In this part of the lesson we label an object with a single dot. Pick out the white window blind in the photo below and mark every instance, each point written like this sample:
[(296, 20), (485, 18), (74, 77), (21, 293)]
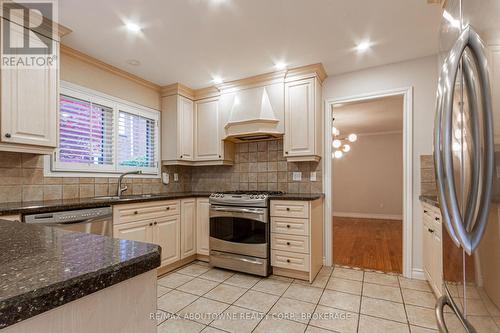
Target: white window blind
[(85, 132), (102, 134), (136, 140)]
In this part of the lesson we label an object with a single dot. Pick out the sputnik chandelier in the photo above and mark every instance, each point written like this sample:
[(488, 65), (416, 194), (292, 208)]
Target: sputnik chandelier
[(341, 144)]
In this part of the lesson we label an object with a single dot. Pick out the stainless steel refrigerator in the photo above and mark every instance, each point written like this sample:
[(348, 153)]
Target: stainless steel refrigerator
[(467, 161)]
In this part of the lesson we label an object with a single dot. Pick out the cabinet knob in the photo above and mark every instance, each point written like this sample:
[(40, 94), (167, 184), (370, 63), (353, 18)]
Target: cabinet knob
[(151, 224), (425, 211), (288, 260), (286, 152), (430, 230), (288, 226), (437, 218), (155, 223), (136, 212), (181, 156), (220, 156), (287, 209), (7, 135), (168, 208), (287, 243)]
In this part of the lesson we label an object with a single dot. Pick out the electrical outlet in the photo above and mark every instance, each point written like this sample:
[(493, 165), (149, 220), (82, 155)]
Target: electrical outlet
[(297, 176), (176, 177), (313, 176), (165, 178)]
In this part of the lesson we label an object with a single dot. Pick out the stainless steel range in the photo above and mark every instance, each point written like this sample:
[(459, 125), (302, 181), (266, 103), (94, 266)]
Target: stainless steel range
[(240, 231)]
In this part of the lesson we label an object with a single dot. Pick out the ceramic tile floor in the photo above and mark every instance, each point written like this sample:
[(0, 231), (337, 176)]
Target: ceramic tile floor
[(197, 298)]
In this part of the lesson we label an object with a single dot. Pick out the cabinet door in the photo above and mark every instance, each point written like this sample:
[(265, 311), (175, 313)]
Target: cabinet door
[(29, 101), (427, 249), (299, 118), (202, 226), (208, 144), (167, 235), (141, 231), (185, 129), (188, 227)]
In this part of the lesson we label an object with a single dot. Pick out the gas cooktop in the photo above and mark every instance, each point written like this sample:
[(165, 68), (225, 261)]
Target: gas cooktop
[(242, 198)]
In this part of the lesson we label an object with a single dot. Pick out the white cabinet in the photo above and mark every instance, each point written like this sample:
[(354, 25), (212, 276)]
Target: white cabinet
[(432, 246), (188, 227), (302, 140), (202, 226), (208, 143), (29, 102), (167, 235), (177, 129), (140, 231)]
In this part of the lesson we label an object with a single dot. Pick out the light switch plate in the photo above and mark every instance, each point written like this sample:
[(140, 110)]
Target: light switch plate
[(313, 176), (297, 176), (165, 178), (176, 177)]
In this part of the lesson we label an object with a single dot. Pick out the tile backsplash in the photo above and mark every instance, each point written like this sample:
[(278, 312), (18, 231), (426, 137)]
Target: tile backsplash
[(427, 176), (258, 166)]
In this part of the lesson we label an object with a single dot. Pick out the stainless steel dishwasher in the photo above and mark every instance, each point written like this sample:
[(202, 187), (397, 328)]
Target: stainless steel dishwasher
[(94, 220)]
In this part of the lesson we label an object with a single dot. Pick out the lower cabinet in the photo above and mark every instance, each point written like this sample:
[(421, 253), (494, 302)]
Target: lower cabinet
[(432, 245), (180, 227), (202, 226), (188, 227)]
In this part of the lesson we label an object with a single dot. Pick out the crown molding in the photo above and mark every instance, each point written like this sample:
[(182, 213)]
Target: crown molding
[(66, 50), (253, 81), (314, 70), (177, 89)]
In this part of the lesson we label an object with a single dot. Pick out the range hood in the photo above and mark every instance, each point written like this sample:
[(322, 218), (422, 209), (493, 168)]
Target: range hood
[(253, 114)]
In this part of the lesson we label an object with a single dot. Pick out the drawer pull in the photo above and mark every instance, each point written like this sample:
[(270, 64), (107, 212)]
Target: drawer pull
[(151, 224), (288, 260), (136, 212), (430, 230), (288, 243), (287, 209), (425, 211), (288, 226), (168, 208), (155, 223), (437, 218)]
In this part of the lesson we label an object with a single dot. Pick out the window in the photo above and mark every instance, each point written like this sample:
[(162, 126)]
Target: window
[(99, 133)]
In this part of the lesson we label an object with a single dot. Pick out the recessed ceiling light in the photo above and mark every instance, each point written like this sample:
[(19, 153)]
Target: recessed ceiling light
[(133, 27), (364, 46), (217, 80), (133, 62), (280, 65)]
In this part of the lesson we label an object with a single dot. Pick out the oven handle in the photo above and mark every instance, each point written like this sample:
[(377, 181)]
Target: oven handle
[(238, 210)]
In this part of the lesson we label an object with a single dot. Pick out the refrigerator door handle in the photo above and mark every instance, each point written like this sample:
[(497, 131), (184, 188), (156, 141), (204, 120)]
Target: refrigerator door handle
[(469, 239), (438, 156), (441, 322)]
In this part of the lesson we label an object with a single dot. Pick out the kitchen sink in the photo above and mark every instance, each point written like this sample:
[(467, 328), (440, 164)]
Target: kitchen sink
[(112, 197), (115, 197)]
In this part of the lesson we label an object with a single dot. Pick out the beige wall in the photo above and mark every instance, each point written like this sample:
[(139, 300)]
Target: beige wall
[(83, 73), (368, 180), (421, 74)]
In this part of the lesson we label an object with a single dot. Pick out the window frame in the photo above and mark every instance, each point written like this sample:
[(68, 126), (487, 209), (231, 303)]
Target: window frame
[(57, 168)]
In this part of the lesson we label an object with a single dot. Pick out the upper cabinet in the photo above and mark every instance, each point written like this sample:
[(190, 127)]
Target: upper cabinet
[(303, 118), (29, 100), (177, 127), (191, 130)]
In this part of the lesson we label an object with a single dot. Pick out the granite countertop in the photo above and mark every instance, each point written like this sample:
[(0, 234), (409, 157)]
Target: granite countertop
[(42, 268), (35, 207), (297, 196)]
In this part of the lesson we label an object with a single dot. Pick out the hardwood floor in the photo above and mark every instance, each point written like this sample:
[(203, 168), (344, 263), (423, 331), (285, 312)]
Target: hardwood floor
[(368, 243)]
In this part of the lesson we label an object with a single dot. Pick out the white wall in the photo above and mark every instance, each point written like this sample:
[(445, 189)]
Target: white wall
[(421, 74), (368, 180)]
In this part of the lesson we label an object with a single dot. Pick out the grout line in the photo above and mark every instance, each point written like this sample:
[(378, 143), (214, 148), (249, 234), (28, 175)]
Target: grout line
[(404, 305), (360, 301)]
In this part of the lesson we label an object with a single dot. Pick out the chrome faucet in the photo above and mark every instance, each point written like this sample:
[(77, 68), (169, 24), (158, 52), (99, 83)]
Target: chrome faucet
[(120, 179)]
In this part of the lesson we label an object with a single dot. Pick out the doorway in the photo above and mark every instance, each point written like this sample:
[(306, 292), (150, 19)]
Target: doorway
[(369, 192)]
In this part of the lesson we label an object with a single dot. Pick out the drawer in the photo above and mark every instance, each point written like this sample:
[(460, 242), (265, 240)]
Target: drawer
[(296, 209), (292, 243), (142, 211), (290, 226), (290, 260)]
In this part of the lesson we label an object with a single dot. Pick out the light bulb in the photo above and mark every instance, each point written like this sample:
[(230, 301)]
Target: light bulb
[(346, 148), (352, 137), (338, 154), (336, 143), (334, 130)]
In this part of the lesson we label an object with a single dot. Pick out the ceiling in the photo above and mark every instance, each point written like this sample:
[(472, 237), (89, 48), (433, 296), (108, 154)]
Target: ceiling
[(191, 41), (371, 116)]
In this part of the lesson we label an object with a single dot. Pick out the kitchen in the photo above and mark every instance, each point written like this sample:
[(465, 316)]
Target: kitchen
[(201, 160)]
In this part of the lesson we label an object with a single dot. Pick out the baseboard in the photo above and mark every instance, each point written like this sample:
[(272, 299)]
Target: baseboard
[(369, 216), (418, 274)]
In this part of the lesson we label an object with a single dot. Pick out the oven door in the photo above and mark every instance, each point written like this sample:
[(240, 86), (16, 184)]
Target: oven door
[(239, 230)]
